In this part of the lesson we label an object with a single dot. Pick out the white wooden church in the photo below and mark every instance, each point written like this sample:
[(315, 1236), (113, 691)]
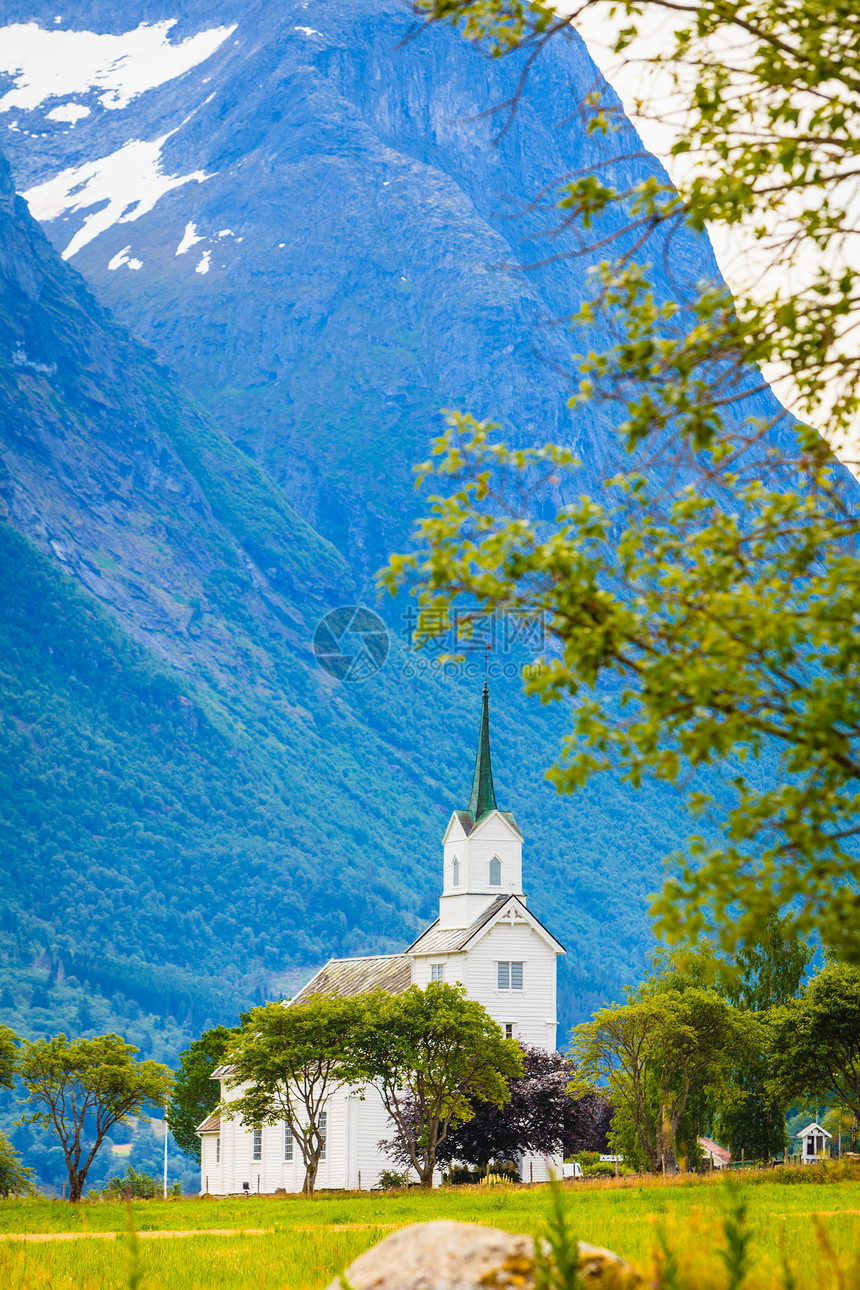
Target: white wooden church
[(484, 937)]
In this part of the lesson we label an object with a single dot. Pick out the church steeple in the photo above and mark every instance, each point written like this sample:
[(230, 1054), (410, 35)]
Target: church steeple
[(483, 847), (483, 797)]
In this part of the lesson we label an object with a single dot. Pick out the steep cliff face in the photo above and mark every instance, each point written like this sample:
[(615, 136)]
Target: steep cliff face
[(113, 471), (337, 254)]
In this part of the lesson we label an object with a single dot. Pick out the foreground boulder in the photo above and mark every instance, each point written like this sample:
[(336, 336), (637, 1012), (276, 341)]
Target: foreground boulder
[(466, 1256)]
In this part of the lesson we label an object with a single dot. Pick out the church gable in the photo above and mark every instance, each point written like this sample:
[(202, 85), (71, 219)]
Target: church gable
[(505, 911), (459, 827), (511, 912), (497, 825)]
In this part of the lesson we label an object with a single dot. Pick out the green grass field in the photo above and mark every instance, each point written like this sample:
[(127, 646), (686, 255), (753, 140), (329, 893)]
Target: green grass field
[(815, 1228)]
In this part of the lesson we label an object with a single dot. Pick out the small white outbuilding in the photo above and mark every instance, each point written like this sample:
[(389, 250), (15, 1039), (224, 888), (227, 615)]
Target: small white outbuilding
[(813, 1141)]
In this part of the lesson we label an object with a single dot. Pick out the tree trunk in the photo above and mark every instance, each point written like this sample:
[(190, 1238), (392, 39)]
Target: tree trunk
[(670, 1163), (310, 1177), (425, 1173), (76, 1185)]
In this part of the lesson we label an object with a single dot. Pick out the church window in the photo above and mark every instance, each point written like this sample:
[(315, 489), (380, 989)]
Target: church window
[(509, 1030), (437, 971), (217, 1151), (323, 1128), (510, 976), (456, 872), (288, 1142), (495, 872), (257, 1153)]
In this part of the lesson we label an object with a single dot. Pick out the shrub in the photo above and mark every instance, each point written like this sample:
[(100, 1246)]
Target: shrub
[(600, 1169), (391, 1180), (139, 1186), (461, 1176)]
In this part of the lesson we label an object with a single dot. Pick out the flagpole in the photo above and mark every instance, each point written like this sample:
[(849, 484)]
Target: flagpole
[(166, 1134)]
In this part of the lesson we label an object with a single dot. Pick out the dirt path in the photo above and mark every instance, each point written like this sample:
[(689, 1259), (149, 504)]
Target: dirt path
[(199, 1231)]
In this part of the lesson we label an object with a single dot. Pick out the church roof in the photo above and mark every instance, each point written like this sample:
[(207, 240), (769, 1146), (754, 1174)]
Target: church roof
[(467, 823), (438, 940), (343, 977), (483, 798), (212, 1124)]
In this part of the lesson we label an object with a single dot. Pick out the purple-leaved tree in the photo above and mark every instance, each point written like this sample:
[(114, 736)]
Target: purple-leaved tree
[(541, 1118)]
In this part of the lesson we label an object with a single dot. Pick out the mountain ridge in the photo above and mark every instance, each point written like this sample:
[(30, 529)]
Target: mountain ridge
[(355, 256)]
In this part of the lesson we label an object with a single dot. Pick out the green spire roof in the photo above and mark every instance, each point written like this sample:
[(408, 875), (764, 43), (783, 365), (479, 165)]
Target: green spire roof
[(483, 797)]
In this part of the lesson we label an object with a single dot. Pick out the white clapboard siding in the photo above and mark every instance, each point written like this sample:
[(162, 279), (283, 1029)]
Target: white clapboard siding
[(493, 838), (455, 969), (372, 1126), (532, 1010)]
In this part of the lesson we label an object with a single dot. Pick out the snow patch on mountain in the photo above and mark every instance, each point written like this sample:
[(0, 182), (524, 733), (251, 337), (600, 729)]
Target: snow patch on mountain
[(20, 359), (124, 185), (123, 257), (189, 238), (54, 64), (70, 112)]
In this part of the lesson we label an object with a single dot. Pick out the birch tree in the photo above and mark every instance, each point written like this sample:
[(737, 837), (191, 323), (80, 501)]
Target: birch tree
[(8, 1051), (816, 1041), (650, 1054)]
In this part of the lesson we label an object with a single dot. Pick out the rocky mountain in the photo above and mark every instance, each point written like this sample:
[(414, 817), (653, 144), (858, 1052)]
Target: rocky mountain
[(299, 243), (311, 218)]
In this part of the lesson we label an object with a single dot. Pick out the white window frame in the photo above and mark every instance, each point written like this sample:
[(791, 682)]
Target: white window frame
[(323, 1131), (288, 1144), (437, 971), (495, 861), (509, 1030), (455, 873), (505, 975), (218, 1150), (256, 1144)]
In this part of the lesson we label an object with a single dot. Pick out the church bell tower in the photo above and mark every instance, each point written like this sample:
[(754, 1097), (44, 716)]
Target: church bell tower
[(482, 845)]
